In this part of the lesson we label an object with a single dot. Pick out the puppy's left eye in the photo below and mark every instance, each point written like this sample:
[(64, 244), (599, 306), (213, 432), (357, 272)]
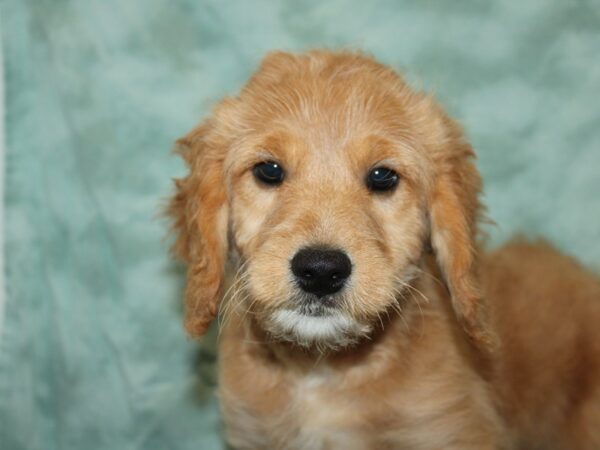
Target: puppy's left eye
[(381, 179), (269, 172)]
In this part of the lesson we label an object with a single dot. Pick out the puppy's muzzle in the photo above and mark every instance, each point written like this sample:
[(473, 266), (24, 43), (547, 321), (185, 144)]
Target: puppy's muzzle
[(321, 271)]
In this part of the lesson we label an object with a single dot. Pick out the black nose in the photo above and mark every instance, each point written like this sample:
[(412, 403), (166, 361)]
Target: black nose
[(321, 271)]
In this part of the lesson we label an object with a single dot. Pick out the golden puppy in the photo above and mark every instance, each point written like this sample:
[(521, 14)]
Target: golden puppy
[(362, 313)]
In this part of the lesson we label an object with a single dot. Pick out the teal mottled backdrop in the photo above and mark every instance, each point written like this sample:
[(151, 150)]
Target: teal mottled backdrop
[(92, 354)]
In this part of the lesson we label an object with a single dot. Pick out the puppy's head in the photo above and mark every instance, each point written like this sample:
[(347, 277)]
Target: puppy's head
[(327, 177)]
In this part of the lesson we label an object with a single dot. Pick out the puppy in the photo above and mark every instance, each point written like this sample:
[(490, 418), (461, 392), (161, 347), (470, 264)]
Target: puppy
[(362, 312)]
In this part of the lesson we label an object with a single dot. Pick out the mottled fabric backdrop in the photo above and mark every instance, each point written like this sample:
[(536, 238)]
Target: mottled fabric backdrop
[(92, 353)]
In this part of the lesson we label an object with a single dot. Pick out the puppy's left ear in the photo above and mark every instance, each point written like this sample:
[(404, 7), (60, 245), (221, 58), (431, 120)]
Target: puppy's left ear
[(453, 211), (199, 211)]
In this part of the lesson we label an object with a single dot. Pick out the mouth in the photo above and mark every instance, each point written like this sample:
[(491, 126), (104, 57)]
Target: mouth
[(313, 306), (316, 324)]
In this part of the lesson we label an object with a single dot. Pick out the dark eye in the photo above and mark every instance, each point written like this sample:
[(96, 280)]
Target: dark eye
[(269, 172), (382, 179)]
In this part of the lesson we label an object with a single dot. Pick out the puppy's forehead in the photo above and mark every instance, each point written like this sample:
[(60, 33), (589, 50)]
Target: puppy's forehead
[(320, 147), (350, 127)]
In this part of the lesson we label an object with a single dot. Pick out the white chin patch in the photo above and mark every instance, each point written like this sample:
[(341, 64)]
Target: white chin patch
[(327, 331)]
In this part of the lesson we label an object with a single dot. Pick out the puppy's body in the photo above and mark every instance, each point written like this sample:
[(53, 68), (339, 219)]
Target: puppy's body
[(363, 314), (546, 310)]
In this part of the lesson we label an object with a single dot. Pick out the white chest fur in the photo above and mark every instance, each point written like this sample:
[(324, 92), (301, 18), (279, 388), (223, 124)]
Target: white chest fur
[(326, 421), (314, 419)]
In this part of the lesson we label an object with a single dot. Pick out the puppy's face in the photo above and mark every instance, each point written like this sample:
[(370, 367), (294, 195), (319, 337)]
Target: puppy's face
[(329, 221), (324, 175)]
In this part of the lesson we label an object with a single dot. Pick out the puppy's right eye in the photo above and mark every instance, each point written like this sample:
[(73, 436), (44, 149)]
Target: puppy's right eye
[(269, 172), (381, 179)]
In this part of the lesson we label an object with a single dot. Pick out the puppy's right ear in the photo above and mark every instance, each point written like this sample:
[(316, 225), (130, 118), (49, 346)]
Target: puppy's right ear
[(200, 214)]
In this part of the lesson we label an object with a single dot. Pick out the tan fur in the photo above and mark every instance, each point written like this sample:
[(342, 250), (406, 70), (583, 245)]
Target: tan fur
[(441, 346)]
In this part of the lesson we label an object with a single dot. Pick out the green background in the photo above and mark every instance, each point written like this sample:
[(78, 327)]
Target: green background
[(92, 354)]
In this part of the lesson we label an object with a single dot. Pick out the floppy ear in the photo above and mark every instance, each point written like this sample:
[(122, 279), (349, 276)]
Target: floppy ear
[(199, 212), (454, 209)]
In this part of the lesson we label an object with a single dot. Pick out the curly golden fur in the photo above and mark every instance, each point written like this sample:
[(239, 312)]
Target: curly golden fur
[(432, 343)]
